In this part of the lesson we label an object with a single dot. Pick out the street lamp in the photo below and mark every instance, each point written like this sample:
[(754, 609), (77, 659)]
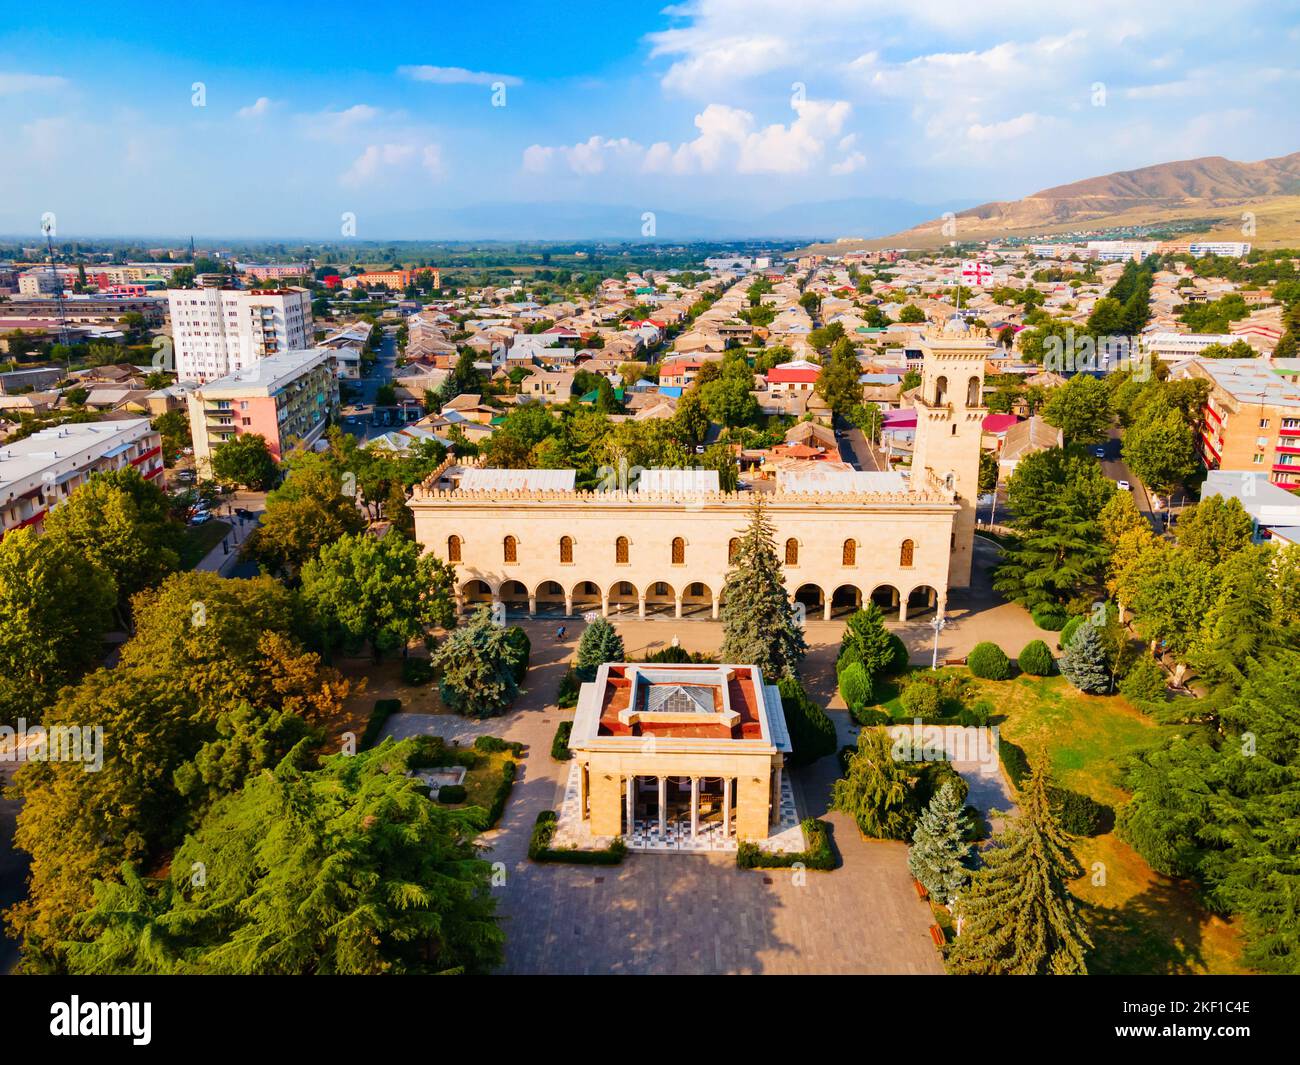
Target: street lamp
[(937, 624)]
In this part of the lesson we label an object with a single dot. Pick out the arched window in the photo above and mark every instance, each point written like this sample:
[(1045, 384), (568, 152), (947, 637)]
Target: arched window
[(792, 552), (679, 551), (850, 557), (453, 548), (940, 391), (620, 551), (566, 550), (905, 553), (511, 552), (973, 397), (733, 545)]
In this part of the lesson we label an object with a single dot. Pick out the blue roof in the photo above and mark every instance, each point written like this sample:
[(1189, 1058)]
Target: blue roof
[(671, 390)]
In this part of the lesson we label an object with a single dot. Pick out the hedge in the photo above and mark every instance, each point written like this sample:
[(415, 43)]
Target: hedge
[(567, 696), (1079, 814), (519, 639), (812, 732), (451, 793), (1051, 620), (560, 745), (988, 662), (494, 745), (501, 797), (1036, 659), (1013, 759), (819, 855), (870, 715), (416, 672), (540, 849), (384, 709)]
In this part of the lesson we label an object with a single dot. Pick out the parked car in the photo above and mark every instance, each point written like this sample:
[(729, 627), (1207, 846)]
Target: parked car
[(200, 517), (1124, 486), (1100, 452)]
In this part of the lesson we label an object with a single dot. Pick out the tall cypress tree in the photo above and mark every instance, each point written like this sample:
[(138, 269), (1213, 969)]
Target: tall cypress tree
[(1019, 918), (758, 618), (940, 853)]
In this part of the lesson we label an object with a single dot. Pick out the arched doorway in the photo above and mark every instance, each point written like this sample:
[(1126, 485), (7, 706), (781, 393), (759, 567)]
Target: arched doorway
[(845, 600), (886, 597), (922, 603), (660, 599), (623, 598), (697, 601), (586, 597), (475, 592), (550, 599), (515, 597), (813, 600)]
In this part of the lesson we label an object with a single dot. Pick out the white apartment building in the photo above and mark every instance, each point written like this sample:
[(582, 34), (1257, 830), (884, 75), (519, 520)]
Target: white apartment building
[(219, 331), (40, 472), (39, 282), (1174, 347)]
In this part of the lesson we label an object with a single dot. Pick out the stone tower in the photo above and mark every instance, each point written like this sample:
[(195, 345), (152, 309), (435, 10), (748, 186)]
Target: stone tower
[(949, 422)]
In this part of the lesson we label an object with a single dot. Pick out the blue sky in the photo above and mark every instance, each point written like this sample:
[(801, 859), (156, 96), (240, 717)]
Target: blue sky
[(706, 108)]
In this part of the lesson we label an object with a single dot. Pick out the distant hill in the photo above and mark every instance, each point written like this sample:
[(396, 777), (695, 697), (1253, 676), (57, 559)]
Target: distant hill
[(1213, 189)]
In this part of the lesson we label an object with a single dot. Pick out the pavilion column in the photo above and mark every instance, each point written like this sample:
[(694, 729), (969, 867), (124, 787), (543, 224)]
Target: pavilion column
[(726, 807), (498, 607), (715, 608), (460, 604), (826, 610), (604, 605), (695, 807), (584, 783), (532, 606), (774, 814), (568, 603), (902, 609), (663, 804), (640, 607), (631, 803), (930, 598), (679, 607)]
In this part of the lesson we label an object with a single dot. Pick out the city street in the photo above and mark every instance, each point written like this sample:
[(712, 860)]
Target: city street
[(363, 391)]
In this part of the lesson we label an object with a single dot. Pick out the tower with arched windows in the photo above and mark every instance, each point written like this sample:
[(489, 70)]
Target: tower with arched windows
[(950, 415)]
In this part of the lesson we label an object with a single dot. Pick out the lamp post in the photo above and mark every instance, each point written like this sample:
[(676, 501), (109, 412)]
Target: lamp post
[(937, 624)]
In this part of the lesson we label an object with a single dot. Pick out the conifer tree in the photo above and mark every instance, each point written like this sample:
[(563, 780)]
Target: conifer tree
[(1018, 917), (600, 643), (940, 854), (876, 789), (758, 619), (1083, 662)]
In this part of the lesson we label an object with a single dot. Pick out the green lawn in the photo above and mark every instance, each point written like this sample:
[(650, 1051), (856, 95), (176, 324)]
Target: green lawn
[(200, 539), (1140, 922)]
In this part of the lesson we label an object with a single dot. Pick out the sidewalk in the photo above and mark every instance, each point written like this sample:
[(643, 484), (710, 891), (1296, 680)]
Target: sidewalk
[(225, 556)]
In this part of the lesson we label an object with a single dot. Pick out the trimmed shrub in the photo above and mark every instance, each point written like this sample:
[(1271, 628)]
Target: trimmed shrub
[(988, 662), (540, 849), (921, 699), (1068, 630), (384, 709), (1049, 619), (451, 793), (855, 684), (1079, 814), (518, 639), (560, 745), (671, 655), (1036, 659), (416, 672), (1014, 760), (501, 797), (819, 855), (898, 661), (932, 776), (868, 716), (978, 715), (495, 744), (812, 733), (567, 696)]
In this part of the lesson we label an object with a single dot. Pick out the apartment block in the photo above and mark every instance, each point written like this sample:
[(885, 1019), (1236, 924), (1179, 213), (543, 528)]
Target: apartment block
[(288, 398), (1251, 420), (37, 474), (220, 331)]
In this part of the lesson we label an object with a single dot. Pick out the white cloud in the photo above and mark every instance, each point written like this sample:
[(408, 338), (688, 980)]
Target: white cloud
[(1010, 129), (854, 161), (12, 82), (455, 76), (381, 161), (335, 125), (259, 107)]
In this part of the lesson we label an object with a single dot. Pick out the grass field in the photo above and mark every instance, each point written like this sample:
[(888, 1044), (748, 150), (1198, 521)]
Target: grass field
[(200, 539), (1141, 922)]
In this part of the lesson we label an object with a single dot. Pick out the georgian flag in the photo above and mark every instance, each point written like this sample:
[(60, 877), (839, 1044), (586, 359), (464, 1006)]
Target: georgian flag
[(977, 273)]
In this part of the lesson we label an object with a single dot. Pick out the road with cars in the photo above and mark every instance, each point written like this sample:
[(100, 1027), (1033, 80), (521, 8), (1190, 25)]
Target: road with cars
[(358, 412)]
